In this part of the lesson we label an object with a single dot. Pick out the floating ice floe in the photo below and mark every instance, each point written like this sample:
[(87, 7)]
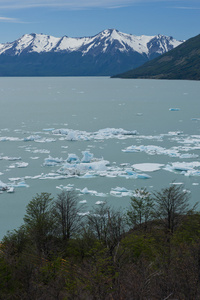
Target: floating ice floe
[(3, 186), (48, 129), (50, 161), (195, 119), (73, 158), (85, 191), (10, 139), (87, 157), (51, 176), (32, 138), (83, 201), (120, 192), (9, 158), (148, 167), (42, 151), (135, 175), (174, 109), (68, 187), (100, 202), (84, 213), (38, 139), (20, 184), (10, 187), (185, 168), (82, 168), (158, 150), (107, 133), (21, 164), (11, 190), (89, 167)]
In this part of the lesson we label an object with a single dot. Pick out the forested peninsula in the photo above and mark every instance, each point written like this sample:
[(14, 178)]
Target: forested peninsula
[(150, 251), (182, 62)]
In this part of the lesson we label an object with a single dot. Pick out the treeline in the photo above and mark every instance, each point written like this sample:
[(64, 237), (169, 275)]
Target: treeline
[(150, 252)]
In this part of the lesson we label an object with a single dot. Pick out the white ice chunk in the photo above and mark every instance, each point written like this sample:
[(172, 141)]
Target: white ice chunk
[(51, 161), (174, 109), (11, 158), (136, 175), (100, 202), (32, 138), (3, 186), (147, 167), (21, 164), (20, 184), (83, 201), (11, 190), (186, 168)]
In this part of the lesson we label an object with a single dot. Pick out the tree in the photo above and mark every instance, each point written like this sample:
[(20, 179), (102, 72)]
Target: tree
[(107, 225), (67, 214), (172, 204), (39, 221), (141, 208)]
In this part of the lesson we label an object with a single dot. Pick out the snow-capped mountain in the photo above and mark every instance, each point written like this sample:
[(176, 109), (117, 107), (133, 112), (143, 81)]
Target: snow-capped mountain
[(110, 51)]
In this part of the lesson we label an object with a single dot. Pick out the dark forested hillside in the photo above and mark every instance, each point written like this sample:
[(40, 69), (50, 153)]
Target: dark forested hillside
[(183, 62), (150, 252)]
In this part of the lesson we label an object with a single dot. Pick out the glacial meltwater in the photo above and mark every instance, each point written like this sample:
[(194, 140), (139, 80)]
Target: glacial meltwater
[(102, 137)]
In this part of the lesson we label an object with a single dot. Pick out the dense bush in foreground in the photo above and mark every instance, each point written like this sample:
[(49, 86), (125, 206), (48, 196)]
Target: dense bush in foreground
[(151, 252)]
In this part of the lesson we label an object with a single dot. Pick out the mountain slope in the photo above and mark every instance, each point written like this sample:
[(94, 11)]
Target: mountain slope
[(182, 62), (106, 53)]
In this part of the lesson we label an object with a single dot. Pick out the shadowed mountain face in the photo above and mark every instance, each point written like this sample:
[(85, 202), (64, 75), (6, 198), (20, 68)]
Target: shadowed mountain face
[(182, 62), (106, 53)]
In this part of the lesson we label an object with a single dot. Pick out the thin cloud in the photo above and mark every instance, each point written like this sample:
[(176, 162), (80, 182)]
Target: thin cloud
[(9, 20), (70, 4), (187, 7)]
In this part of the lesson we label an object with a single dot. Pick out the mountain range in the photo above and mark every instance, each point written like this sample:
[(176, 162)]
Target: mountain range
[(183, 62), (105, 54)]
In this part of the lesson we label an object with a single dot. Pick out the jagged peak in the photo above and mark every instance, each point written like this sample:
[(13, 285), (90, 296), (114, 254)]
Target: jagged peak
[(34, 42)]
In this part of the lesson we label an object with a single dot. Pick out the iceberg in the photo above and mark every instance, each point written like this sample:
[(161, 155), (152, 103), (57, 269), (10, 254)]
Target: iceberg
[(21, 184), (72, 158), (85, 191), (87, 156), (21, 164), (32, 138), (83, 168), (3, 186), (11, 190)]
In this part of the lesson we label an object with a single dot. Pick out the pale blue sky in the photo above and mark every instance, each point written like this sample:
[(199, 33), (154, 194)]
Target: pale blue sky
[(77, 18)]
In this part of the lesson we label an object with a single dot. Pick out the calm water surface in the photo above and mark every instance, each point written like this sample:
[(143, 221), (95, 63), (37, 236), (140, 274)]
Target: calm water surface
[(37, 107)]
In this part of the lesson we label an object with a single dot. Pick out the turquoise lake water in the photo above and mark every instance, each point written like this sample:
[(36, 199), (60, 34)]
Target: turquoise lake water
[(133, 133)]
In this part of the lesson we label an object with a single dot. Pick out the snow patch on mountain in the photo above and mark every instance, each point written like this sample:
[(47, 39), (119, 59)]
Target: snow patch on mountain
[(102, 42)]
